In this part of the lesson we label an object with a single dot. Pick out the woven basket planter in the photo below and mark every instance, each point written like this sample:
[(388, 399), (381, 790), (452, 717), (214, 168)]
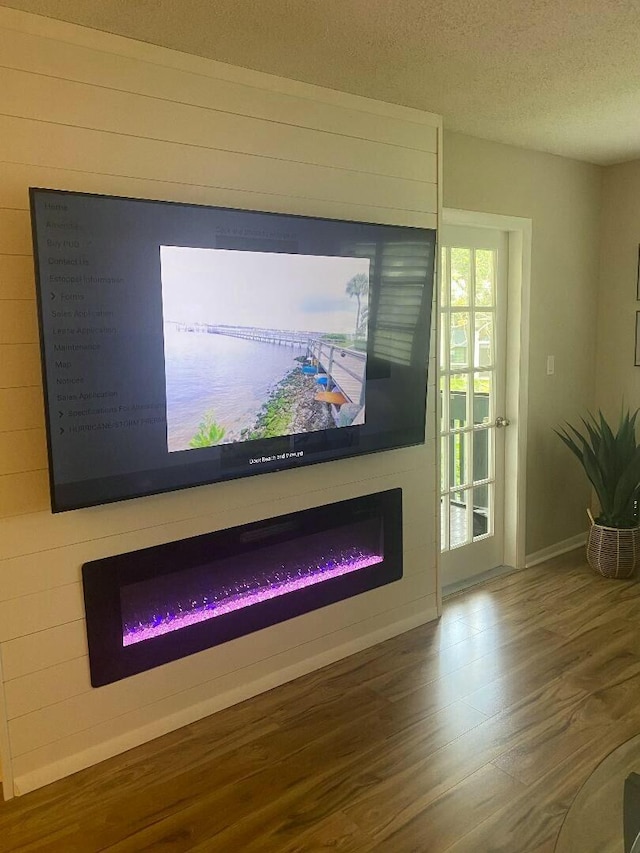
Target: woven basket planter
[(613, 552)]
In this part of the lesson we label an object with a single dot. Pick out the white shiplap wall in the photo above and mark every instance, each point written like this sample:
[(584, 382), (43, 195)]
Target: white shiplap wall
[(83, 110)]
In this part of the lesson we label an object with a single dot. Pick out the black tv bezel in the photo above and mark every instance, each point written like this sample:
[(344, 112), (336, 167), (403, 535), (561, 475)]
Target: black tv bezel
[(348, 453)]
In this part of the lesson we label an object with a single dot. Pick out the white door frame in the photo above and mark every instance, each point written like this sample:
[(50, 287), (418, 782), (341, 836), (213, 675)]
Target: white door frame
[(519, 232)]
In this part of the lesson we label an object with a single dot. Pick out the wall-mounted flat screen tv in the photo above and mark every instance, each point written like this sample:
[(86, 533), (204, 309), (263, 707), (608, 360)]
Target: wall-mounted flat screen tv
[(184, 344)]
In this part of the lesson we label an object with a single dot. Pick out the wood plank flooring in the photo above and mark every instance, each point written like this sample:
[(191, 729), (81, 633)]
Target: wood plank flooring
[(471, 735)]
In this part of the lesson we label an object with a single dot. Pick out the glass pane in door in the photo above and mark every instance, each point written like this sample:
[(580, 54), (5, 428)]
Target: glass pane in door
[(485, 277), (459, 403), (482, 396), (458, 518), (481, 510), (468, 372), (459, 285), (459, 338)]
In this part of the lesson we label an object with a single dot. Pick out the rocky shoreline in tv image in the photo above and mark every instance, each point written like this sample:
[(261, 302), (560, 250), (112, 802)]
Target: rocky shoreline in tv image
[(292, 408)]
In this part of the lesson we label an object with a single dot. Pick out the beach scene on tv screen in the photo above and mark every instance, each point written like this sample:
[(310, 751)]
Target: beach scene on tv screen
[(261, 344)]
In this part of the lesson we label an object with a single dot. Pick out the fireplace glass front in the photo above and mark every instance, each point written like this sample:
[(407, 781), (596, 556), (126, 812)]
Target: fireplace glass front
[(148, 607)]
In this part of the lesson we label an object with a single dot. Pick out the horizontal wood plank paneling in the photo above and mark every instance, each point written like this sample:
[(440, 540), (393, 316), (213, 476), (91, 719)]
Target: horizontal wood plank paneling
[(69, 679), (244, 500), (216, 667), (39, 612), (23, 493), (16, 177), (22, 450), (218, 73), (17, 280), (15, 228), (115, 154), (44, 649), (21, 408), (47, 99), (69, 754), (43, 56), (18, 320), (96, 113), (19, 363), (21, 575), (56, 683)]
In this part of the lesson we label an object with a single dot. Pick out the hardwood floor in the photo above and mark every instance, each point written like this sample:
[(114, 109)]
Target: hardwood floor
[(473, 734)]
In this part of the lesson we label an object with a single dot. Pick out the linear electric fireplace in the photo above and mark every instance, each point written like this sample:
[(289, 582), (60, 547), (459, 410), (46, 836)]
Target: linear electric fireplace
[(148, 607)]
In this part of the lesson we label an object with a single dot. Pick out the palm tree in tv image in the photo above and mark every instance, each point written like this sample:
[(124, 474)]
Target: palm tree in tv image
[(358, 286)]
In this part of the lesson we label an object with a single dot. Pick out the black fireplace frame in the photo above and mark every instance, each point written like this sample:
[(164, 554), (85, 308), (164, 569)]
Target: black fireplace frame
[(103, 579)]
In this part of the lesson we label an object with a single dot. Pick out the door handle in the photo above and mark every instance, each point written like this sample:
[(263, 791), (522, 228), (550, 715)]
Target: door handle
[(502, 422)]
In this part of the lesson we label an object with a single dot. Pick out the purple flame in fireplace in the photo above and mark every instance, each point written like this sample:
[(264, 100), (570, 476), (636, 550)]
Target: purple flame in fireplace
[(244, 593)]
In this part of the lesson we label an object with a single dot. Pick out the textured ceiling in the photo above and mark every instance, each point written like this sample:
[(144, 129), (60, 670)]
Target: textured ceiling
[(553, 75)]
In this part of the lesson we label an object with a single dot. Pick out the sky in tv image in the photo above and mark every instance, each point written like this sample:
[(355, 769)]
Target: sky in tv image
[(261, 344)]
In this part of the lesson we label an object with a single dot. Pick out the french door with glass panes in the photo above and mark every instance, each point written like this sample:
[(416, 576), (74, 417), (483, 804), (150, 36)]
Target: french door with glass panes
[(472, 314)]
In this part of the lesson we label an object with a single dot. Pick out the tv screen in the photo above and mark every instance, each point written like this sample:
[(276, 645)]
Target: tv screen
[(184, 344)]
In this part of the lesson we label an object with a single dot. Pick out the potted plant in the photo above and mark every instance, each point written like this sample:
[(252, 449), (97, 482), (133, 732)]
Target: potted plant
[(612, 463)]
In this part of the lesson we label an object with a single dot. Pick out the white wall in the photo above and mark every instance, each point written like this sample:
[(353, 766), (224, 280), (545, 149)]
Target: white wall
[(83, 110), (562, 197)]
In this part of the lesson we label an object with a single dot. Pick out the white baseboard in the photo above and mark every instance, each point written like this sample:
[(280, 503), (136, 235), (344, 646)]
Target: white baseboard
[(555, 550), (72, 764)]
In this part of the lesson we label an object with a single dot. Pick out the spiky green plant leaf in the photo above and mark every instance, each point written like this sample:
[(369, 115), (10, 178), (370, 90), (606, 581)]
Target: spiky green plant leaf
[(611, 462)]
